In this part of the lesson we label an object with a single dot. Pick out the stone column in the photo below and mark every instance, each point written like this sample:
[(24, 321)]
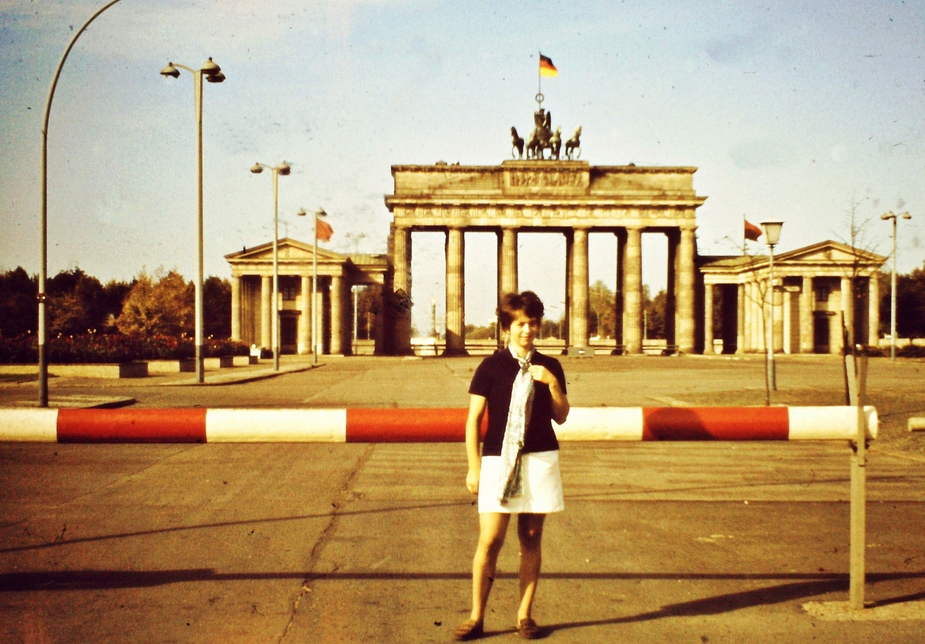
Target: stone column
[(708, 319), (337, 315), (788, 322), (321, 310), (807, 300), (402, 287), (671, 291), (455, 293), (873, 311), (741, 335), (567, 313), (507, 261), (578, 316), (632, 296), (618, 296), (236, 308), (685, 291), (266, 312), (305, 316)]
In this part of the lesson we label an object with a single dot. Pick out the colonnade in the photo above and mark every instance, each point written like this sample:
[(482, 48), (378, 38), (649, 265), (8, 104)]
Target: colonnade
[(629, 297), (812, 302), (252, 306)]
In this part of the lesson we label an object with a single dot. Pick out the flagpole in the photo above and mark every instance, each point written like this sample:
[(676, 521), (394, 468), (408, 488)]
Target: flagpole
[(539, 75), (744, 237)]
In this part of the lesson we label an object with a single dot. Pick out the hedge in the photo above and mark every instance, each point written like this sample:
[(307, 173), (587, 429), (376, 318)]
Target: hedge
[(112, 348)]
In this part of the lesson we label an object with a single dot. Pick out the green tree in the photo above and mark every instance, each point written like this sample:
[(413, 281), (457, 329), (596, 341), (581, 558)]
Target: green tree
[(161, 308), (216, 308), (19, 309), (76, 303), (655, 313), (603, 305), (910, 304)]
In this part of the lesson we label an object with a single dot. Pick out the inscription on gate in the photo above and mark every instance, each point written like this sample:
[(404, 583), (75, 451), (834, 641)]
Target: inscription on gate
[(555, 181)]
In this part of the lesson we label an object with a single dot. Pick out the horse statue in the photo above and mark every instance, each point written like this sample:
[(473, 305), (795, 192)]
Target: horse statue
[(517, 143), (573, 144), (555, 143)]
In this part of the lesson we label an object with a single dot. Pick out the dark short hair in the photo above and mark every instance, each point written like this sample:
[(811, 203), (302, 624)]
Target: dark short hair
[(513, 303)]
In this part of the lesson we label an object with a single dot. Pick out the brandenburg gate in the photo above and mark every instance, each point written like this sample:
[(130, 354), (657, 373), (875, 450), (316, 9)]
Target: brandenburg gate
[(566, 197)]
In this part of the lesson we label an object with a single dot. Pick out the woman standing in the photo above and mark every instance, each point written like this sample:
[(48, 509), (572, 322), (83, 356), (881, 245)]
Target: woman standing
[(518, 469)]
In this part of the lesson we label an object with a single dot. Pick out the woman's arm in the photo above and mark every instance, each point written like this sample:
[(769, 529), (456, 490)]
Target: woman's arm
[(473, 430), (560, 404)]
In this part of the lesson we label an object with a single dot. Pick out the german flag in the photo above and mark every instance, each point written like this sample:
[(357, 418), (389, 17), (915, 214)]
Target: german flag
[(546, 67), (752, 231)]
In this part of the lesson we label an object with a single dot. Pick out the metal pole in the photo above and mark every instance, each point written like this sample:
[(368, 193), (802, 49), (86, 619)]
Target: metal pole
[(858, 545), (43, 266), (772, 372), (275, 307), (200, 375), (315, 343), (893, 298)]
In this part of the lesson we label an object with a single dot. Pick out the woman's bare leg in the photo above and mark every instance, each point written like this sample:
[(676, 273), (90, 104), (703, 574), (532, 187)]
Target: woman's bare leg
[(530, 532), (492, 527)]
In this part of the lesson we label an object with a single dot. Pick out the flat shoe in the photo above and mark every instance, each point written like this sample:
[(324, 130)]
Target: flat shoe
[(528, 629), (469, 630)]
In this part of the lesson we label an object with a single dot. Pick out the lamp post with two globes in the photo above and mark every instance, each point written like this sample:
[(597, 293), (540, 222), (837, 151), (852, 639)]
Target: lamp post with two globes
[(213, 74), (282, 169)]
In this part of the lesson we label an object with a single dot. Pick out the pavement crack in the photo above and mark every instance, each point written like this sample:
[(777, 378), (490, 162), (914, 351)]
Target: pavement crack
[(338, 505)]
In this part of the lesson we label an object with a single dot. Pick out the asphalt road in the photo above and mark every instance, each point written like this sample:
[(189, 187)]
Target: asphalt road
[(679, 542)]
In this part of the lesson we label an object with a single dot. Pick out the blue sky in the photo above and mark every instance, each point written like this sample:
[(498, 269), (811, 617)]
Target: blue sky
[(790, 110)]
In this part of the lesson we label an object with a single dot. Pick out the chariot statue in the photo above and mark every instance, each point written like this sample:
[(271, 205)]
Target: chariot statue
[(543, 138)]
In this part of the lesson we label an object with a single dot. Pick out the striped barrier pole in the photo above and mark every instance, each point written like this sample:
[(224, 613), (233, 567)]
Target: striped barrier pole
[(424, 425)]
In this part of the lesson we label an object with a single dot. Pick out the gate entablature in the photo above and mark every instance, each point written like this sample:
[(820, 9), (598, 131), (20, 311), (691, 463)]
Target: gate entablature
[(572, 197)]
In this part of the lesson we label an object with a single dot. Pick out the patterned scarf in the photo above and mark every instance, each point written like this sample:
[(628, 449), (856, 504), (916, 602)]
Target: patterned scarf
[(518, 418)]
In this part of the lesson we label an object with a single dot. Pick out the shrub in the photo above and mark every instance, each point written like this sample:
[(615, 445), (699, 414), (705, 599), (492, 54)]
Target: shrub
[(112, 348)]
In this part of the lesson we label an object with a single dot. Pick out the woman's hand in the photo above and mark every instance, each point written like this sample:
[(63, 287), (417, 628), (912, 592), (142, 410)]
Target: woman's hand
[(472, 481), (544, 375)]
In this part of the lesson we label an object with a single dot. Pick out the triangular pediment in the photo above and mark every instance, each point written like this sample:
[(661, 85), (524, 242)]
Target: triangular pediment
[(830, 252), (288, 250)]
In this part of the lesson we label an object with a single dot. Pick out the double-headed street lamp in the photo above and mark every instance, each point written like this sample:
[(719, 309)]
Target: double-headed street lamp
[(887, 217), (771, 237), (282, 169), (213, 74), (316, 343)]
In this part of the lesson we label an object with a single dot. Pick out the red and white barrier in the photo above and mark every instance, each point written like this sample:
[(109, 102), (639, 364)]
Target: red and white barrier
[(423, 425)]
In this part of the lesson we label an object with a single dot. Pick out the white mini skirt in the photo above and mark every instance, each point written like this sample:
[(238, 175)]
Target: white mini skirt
[(542, 485)]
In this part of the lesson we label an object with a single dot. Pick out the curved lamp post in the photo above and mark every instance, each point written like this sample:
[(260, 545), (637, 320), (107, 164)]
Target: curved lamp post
[(888, 217), (282, 169), (43, 267), (771, 236), (213, 74)]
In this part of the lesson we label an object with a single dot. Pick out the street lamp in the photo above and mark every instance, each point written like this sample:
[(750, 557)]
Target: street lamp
[(282, 169), (213, 74), (316, 344), (886, 217), (771, 237), (43, 264)]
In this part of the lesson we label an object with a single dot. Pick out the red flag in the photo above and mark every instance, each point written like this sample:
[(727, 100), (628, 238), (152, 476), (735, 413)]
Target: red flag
[(323, 230), (546, 66), (752, 231)]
